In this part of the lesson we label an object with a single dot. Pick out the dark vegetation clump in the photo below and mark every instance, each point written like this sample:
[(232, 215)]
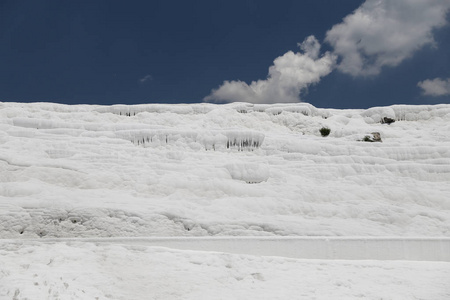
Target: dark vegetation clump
[(324, 131), (367, 138), (387, 120)]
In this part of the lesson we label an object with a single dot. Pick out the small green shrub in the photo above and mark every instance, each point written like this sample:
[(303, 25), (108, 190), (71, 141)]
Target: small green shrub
[(367, 138), (324, 131)]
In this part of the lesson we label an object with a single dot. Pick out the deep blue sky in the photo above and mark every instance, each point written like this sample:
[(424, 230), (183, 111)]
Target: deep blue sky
[(97, 51)]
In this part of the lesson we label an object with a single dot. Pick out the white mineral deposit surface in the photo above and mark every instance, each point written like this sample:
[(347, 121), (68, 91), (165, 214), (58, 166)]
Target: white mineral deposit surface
[(235, 201)]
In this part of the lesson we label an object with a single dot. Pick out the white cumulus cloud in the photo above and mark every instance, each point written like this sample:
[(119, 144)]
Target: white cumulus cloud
[(384, 33), (289, 75), (379, 33), (435, 87)]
